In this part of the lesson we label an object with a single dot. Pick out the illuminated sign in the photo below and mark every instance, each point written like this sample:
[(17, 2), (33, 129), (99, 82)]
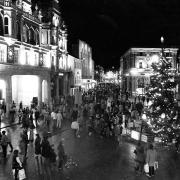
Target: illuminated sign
[(77, 77)]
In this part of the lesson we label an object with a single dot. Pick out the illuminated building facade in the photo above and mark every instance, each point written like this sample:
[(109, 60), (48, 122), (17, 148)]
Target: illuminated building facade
[(83, 71), (54, 38), (135, 67), (33, 52), (83, 52)]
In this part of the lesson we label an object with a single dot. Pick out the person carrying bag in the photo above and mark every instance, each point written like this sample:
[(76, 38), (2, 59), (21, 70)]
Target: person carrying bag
[(151, 160), (18, 171)]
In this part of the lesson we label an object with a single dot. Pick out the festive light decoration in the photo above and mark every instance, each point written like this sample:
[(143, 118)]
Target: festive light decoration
[(162, 114)]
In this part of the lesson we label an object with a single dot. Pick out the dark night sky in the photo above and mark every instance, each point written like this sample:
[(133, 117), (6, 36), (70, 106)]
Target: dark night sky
[(113, 26)]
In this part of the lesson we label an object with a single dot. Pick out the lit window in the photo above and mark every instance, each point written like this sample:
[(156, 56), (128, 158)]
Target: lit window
[(140, 65), (6, 25)]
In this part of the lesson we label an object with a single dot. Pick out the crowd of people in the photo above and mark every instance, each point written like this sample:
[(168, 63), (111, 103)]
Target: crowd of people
[(110, 115), (30, 119), (104, 111)]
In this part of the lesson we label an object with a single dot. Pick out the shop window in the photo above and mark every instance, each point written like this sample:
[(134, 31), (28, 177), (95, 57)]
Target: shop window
[(6, 25)]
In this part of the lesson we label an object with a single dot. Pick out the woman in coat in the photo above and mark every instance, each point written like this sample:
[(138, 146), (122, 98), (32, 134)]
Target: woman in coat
[(151, 158), (16, 164), (140, 159)]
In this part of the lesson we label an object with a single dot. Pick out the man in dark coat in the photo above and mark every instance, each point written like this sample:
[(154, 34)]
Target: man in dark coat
[(61, 155)]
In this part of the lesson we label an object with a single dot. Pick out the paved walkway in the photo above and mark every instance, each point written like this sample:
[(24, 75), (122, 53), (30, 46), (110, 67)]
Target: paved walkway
[(96, 158)]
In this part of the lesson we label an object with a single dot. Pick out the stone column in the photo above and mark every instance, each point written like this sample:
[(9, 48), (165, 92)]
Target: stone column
[(8, 94), (40, 92), (49, 100)]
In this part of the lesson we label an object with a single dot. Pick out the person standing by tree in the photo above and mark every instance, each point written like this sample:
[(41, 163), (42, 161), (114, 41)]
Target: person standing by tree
[(140, 159), (151, 158), (177, 142)]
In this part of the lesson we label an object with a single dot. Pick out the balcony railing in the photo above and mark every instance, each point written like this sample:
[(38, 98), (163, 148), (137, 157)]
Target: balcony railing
[(31, 17)]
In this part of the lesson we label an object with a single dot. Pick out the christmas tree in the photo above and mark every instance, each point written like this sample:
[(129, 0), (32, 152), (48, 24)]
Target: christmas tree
[(162, 114)]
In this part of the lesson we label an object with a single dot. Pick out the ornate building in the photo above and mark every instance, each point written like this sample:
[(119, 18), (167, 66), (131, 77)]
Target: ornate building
[(83, 52), (33, 52), (135, 67)]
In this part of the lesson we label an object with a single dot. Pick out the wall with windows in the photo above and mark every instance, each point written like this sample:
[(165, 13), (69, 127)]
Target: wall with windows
[(135, 67)]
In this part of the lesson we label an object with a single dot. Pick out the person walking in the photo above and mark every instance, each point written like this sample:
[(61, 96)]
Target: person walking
[(151, 158), (139, 159), (59, 119), (38, 158), (20, 115), (16, 164), (61, 155), (74, 114), (36, 114), (46, 155), (9, 139), (4, 143), (54, 118), (177, 143), (24, 145)]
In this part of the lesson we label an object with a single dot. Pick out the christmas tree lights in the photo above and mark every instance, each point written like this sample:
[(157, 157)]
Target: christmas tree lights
[(162, 114)]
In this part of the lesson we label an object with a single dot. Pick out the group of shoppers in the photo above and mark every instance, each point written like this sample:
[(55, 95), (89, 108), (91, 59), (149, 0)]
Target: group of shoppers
[(146, 159)]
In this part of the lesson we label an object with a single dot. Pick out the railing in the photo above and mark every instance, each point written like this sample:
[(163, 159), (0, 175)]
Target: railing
[(29, 16)]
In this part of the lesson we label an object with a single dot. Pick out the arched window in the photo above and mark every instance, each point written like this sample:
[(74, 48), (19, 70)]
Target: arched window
[(1, 26), (6, 25), (37, 37), (25, 34), (31, 36), (140, 65)]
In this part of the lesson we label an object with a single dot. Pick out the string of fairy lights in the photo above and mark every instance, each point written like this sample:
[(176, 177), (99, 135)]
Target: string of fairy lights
[(162, 114)]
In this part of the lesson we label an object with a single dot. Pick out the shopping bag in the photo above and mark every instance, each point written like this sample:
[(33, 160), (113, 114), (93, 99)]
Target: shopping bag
[(22, 174), (74, 125), (156, 165), (13, 172), (146, 168)]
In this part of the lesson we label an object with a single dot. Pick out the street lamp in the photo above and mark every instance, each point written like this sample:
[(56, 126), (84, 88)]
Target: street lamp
[(162, 39)]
